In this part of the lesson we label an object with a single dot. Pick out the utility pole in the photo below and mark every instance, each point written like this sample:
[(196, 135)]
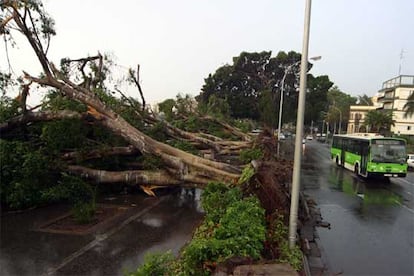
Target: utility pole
[(294, 196)]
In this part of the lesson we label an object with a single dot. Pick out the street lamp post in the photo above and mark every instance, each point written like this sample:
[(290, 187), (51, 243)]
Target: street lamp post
[(294, 197), (282, 92)]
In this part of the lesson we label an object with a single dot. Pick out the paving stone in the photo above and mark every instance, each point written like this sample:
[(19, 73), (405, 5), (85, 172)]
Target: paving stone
[(265, 269), (315, 262)]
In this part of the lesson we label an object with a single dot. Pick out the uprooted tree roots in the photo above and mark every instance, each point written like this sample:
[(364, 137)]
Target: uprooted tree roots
[(270, 184)]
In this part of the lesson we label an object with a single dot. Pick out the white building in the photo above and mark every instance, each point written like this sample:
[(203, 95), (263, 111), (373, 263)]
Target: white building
[(357, 115), (393, 96)]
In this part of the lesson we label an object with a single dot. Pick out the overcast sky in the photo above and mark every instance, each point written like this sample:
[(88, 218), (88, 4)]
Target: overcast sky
[(178, 43)]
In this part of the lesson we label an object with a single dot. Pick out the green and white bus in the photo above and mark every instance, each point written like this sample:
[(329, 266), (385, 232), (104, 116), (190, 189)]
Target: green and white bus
[(370, 155)]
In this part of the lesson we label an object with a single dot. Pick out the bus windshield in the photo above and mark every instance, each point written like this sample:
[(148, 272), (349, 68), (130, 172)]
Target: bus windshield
[(388, 152)]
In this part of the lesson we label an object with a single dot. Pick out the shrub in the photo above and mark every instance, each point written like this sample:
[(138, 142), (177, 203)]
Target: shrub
[(185, 146), (24, 172), (233, 227), (156, 264), (248, 155), (247, 173), (215, 199), (83, 212), (278, 233), (71, 189)]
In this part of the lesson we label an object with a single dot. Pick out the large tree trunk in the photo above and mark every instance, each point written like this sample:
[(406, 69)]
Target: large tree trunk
[(160, 178)]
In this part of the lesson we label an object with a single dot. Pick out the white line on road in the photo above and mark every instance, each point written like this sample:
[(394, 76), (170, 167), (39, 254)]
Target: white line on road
[(406, 181), (407, 208), (101, 238)]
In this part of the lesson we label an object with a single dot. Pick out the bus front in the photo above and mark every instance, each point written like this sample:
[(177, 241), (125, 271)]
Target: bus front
[(388, 158)]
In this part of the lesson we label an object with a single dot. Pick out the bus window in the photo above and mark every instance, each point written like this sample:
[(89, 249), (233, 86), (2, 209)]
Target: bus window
[(388, 153)]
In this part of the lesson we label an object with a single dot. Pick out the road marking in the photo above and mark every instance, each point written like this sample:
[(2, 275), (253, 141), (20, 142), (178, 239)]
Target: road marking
[(100, 238), (406, 181), (408, 208)]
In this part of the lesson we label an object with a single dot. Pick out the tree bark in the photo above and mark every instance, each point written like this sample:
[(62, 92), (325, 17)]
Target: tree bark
[(233, 130), (138, 177), (39, 116), (99, 153)]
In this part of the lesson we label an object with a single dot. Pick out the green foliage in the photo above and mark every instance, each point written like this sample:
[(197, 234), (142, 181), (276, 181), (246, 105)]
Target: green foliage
[(215, 199), (215, 107), (83, 212), (55, 101), (191, 124), (238, 229), (71, 189), (242, 83), (5, 81), (233, 227), (248, 155), (157, 264), (25, 173), (379, 121), (166, 107), (184, 146), (157, 132), (185, 104), (278, 233), (244, 125), (8, 108), (55, 135), (365, 100), (150, 162), (267, 103), (247, 173), (317, 97), (338, 100)]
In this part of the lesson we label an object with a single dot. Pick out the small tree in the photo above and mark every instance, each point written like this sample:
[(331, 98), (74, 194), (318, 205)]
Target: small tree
[(379, 121)]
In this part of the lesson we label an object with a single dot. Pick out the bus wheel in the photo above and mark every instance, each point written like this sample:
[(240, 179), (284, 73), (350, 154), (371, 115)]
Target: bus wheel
[(356, 169)]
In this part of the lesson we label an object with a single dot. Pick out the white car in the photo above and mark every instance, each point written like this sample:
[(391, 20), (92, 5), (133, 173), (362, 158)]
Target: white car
[(309, 137), (410, 161)]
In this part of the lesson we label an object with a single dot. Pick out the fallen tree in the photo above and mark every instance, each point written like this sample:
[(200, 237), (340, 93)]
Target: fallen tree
[(29, 19)]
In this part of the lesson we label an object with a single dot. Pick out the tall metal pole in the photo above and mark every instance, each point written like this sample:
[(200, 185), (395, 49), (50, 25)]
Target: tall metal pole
[(294, 202), (282, 91)]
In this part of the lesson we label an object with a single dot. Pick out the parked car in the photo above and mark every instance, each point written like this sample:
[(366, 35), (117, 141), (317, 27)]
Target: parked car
[(410, 161), (309, 137)]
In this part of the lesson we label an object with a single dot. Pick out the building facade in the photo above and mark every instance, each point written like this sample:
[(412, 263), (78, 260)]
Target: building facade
[(393, 96), (356, 122)]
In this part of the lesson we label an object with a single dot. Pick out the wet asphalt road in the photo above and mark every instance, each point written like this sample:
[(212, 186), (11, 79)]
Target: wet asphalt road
[(151, 224), (372, 223)]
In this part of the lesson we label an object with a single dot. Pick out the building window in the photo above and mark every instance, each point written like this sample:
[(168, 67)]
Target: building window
[(408, 127)]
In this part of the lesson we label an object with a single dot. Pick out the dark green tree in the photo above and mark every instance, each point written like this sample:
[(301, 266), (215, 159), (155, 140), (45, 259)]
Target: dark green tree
[(316, 98), (379, 121), (243, 83), (338, 107), (364, 100)]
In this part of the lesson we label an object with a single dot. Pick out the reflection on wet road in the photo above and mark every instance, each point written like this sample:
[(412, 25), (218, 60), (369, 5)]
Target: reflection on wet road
[(372, 225), (152, 224)]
